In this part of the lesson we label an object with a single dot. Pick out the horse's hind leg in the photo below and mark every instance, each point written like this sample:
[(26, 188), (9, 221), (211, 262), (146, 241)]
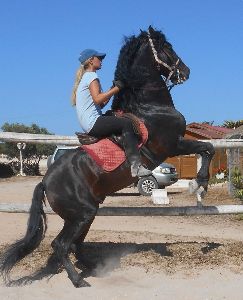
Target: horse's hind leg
[(62, 245), (82, 237), (76, 248)]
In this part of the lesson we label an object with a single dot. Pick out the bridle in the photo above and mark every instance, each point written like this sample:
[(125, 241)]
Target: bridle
[(173, 69)]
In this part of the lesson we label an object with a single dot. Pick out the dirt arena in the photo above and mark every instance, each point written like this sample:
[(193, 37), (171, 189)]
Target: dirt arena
[(136, 257)]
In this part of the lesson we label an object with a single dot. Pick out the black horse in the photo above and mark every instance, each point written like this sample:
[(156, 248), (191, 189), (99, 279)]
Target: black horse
[(75, 185)]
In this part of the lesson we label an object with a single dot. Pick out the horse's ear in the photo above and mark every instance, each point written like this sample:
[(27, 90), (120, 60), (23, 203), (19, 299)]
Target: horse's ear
[(150, 29)]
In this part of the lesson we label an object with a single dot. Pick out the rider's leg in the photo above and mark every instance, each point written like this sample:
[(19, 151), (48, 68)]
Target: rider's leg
[(108, 125), (133, 156)]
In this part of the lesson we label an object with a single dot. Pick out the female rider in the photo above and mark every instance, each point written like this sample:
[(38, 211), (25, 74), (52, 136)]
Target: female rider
[(89, 99)]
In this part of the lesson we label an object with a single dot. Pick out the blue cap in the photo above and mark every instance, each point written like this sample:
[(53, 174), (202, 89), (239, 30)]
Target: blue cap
[(87, 53)]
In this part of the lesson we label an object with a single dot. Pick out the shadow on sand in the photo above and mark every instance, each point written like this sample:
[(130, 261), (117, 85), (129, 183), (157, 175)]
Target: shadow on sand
[(98, 259)]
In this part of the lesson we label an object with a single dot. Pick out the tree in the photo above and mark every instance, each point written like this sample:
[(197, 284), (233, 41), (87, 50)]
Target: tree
[(232, 124), (208, 122), (32, 152), (2, 148)]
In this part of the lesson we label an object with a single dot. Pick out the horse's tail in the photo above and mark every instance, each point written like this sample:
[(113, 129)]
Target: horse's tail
[(36, 229)]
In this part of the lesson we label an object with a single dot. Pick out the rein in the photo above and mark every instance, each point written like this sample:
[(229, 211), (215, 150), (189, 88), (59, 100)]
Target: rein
[(172, 69)]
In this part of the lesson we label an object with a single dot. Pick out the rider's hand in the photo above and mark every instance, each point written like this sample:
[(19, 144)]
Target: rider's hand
[(119, 84)]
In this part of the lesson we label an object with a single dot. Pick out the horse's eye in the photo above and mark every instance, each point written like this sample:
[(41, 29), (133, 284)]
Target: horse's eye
[(168, 46)]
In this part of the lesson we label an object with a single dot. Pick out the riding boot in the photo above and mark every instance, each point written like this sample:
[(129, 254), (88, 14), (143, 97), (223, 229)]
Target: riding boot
[(130, 143)]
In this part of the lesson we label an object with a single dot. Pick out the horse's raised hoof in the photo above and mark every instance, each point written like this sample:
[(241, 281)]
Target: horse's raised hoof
[(193, 186), (201, 192)]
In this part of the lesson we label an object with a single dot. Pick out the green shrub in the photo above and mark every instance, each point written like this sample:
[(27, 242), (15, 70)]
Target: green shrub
[(237, 181), (239, 194), (5, 170), (215, 180), (29, 169)]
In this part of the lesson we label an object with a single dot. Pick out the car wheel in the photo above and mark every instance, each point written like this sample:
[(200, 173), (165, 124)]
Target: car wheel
[(146, 185)]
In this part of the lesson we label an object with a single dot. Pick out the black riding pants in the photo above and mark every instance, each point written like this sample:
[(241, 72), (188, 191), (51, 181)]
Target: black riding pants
[(108, 125)]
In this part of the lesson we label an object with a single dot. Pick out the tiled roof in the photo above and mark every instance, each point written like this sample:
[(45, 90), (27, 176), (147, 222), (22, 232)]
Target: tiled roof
[(207, 131)]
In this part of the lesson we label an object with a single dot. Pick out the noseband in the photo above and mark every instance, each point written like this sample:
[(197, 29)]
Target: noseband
[(173, 69)]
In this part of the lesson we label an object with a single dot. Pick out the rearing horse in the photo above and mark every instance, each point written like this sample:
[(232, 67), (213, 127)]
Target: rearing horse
[(75, 185)]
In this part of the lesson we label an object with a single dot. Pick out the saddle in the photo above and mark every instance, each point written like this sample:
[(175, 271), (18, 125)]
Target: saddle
[(108, 152), (86, 139)]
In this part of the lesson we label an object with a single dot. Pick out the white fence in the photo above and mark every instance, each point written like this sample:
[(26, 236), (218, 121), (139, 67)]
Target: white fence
[(141, 211), (38, 138), (124, 211), (73, 140)]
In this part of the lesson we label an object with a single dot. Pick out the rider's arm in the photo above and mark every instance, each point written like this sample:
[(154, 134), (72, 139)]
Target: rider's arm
[(99, 97)]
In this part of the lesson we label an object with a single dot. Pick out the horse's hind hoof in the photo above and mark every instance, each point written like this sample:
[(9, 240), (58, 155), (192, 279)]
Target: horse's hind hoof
[(84, 264), (81, 283)]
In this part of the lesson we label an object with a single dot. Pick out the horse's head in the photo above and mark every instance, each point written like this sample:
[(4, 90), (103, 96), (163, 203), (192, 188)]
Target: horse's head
[(168, 62), (147, 62), (147, 54)]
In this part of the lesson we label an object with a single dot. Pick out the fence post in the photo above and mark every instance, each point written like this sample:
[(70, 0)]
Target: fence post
[(21, 146), (233, 158)]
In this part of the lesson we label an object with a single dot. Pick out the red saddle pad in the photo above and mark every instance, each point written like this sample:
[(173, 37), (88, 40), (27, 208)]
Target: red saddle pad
[(108, 155)]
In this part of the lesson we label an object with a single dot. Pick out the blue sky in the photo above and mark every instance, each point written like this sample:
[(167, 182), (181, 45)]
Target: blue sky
[(40, 41)]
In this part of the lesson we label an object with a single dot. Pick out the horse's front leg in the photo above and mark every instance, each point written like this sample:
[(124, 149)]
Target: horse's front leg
[(206, 150)]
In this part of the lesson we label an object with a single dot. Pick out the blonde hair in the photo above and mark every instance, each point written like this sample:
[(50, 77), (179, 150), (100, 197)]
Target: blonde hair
[(79, 74)]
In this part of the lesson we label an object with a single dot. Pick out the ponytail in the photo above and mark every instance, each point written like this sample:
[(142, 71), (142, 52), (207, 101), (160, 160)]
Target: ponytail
[(79, 75)]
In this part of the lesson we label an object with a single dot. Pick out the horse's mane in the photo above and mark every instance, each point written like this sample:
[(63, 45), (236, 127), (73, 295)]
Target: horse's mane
[(128, 52), (126, 56), (124, 72)]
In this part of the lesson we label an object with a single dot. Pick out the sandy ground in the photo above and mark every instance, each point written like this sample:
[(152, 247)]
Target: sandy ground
[(136, 257)]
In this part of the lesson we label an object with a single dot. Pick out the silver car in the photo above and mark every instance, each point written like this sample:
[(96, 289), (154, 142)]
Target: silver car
[(162, 176), (59, 151), (165, 174)]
